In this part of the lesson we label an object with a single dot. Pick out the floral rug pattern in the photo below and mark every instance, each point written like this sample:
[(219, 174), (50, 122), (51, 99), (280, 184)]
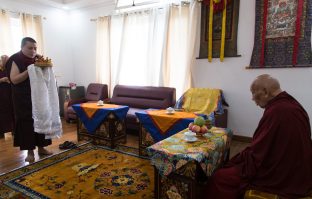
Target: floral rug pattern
[(86, 172)]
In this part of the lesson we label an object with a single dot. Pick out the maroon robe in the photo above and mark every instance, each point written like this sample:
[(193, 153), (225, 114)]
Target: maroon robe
[(24, 135), (279, 159), (6, 106)]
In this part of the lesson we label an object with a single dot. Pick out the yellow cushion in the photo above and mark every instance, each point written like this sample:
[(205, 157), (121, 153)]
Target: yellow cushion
[(201, 100), (255, 194)]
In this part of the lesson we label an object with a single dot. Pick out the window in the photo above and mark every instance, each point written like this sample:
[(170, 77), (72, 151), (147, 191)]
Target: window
[(14, 26), (154, 47), (16, 33)]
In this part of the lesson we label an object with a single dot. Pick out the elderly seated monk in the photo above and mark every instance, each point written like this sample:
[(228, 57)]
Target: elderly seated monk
[(279, 158)]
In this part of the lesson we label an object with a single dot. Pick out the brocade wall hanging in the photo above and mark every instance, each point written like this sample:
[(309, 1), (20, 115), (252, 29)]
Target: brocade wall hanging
[(282, 34), (230, 30)]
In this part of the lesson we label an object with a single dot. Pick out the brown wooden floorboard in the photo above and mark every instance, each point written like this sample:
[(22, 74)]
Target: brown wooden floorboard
[(12, 158)]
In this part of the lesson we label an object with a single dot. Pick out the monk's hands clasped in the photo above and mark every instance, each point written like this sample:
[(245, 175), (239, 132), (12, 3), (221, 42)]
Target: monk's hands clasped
[(5, 80)]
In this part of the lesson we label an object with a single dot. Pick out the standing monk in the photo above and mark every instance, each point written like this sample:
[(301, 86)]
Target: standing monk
[(279, 158), (25, 137), (6, 104)]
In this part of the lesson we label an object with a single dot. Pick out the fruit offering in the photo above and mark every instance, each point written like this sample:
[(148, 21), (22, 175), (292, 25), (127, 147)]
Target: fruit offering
[(208, 124), (200, 121), (198, 126)]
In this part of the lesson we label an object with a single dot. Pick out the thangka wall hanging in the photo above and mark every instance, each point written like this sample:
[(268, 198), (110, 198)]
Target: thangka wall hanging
[(218, 35), (282, 34)]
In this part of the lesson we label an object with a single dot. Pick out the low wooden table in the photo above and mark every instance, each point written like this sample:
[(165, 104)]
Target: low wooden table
[(156, 125), (182, 168), (104, 125)]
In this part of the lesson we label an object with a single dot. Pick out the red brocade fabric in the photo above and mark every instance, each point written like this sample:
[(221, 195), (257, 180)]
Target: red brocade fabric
[(217, 7)]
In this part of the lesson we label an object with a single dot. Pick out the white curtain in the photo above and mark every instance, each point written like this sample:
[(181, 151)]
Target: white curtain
[(136, 57), (5, 34), (32, 27), (103, 63), (148, 48), (179, 54)]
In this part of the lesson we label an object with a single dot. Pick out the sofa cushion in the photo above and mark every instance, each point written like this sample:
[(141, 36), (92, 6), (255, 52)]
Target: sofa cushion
[(144, 96), (131, 117), (139, 98)]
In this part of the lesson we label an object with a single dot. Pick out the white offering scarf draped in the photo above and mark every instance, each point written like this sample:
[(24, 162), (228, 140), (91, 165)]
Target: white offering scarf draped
[(45, 102)]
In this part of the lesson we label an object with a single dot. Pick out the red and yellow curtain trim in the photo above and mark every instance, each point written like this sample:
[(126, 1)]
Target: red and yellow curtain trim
[(216, 6)]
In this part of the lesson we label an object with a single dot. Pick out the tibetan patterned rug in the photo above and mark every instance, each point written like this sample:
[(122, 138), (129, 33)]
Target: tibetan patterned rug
[(88, 171)]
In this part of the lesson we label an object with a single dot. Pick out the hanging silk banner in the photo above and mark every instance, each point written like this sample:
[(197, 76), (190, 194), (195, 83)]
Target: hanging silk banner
[(282, 34), (223, 31), (210, 31), (219, 22)]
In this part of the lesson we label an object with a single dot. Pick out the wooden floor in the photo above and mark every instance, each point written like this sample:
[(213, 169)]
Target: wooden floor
[(12, 158)]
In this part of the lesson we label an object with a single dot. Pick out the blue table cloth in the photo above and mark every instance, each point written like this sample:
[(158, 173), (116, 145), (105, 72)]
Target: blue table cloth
[(145, 117), (92, 114)]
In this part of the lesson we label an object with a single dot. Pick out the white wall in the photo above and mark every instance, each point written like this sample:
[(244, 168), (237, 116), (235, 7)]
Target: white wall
[(83, 38), (57, 36)]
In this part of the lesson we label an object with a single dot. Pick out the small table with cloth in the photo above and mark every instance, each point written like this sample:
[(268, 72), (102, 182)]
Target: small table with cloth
[(181, 165), (156, 125), (103, 124)]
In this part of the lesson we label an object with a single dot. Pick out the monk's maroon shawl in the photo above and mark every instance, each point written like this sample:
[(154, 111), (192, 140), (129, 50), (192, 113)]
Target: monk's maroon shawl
[(24, 137), (279, 159), (6, 106)]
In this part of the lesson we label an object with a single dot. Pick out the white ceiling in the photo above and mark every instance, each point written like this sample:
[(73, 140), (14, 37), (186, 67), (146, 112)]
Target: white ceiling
[(73, 4)]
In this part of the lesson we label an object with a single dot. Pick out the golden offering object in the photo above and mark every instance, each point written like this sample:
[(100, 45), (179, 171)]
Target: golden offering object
[(43, 62)]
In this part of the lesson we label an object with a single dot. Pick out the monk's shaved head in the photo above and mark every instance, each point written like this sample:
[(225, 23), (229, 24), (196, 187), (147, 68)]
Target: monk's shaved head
[(264, 88), (267, 82)]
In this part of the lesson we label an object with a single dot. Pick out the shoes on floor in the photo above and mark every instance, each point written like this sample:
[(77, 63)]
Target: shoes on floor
[(67, 145)]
